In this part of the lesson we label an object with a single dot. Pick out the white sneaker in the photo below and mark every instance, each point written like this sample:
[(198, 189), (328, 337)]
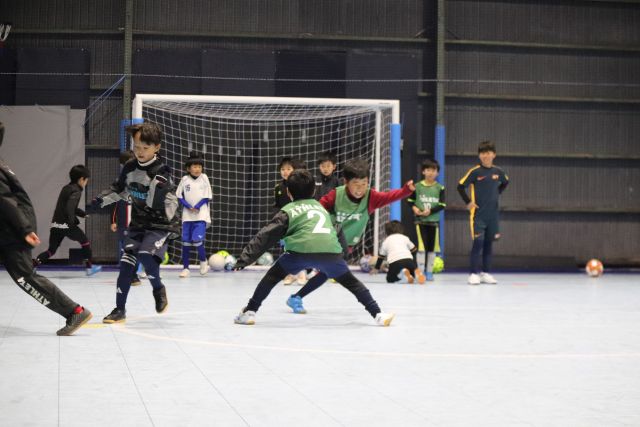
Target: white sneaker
[(245, 318), (301, 278), (384, 319), (289, 279), (184, 273), (487, 278), (142, 274), (204, 268), (473, 279)]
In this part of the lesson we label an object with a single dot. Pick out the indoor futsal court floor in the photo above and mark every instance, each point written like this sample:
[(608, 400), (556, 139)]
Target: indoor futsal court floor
[(535, 350)]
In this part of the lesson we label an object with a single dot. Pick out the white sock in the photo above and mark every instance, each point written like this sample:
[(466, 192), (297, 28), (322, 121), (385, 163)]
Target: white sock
[(420, 259), (431, 257)]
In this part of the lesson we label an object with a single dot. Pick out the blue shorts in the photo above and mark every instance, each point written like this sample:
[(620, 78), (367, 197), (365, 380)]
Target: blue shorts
[(332, 265), (193, 231)]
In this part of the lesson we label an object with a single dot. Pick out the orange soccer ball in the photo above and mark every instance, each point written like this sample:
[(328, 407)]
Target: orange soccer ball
[(594, 268)]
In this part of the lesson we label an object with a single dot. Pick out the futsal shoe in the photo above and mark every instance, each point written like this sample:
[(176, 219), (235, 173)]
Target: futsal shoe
[(135, 281), (407, 275), (94, 269), (160, 295), (384, 319), (74, 322), (473, 279), (301, 278), (116, 316), (296, 304), (429, 277), (487, 278), (204, 268), (184, 273), (245, 318), (289, 279), (420, 276)]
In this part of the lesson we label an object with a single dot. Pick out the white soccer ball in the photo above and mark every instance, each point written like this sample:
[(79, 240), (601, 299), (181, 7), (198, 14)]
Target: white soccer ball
[(265, 259), (216, 262), (365, 263), (229, 262)]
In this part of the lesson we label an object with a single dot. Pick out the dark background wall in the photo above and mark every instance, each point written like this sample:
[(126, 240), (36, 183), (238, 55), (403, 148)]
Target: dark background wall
[(556, 84)]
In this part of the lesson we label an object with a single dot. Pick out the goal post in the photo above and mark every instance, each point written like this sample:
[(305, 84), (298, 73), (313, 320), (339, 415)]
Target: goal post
[(242, 140)]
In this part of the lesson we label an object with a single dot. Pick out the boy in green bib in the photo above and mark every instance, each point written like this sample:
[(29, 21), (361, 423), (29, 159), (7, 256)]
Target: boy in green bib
[(310, 241), (427, 202), (350, 206)]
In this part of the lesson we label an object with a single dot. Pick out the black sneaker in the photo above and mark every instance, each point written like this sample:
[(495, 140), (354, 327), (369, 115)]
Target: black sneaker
[(135, 281), (74, 322), (116, 316), (160, 295)]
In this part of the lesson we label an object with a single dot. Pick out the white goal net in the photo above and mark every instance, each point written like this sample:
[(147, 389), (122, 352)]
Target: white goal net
[(242, 141)]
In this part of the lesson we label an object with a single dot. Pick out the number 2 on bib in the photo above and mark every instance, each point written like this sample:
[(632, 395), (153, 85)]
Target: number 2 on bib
[(318, 229)]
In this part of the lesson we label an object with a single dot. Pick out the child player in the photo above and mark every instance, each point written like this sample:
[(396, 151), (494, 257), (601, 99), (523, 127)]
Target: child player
[(120, 218), (350, 206), (398, 250), (65, 221), (427, 202), (311, 242), (287, 166), (487, 182), (17, 238), (327, 180), (147, 183), (194, 193)]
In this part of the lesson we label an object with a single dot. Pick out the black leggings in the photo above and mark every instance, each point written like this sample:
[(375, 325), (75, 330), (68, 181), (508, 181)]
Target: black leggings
[(56, 235), (20, 267), (397, 266)]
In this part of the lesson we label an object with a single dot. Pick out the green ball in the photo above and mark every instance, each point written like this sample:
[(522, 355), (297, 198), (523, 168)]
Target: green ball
[(165, 259), (223, 253), (438, 265)]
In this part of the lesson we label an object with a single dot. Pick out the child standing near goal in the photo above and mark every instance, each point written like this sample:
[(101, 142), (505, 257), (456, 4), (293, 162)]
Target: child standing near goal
[(398, 250), (487, 182), (311, 242), (17, 238), (287, 166), (326, 181), (350, 205), (148, 184), (427, 202), (65, 220), (194, 193)]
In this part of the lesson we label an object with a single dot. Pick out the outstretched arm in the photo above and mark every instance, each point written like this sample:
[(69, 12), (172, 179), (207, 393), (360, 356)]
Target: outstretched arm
[(378, 199), (266, 238), (115, 193), (328, 201)]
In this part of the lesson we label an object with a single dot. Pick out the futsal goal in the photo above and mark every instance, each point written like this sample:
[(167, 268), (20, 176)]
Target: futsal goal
[(243, 139)]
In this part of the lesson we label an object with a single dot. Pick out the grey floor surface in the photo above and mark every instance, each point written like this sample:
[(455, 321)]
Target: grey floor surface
[(535, 350)]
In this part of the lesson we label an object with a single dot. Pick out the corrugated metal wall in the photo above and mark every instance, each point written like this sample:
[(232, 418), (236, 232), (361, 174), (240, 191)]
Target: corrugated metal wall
[(553, 84), (509, 54)]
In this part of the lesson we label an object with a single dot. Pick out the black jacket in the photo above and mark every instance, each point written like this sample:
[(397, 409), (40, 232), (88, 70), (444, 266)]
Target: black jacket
[(17, 217), (265, 239), (324, 184), (66, 213), (152, 194)]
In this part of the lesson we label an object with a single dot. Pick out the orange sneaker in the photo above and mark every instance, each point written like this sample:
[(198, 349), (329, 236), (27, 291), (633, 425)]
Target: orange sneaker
[(408, 275)]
